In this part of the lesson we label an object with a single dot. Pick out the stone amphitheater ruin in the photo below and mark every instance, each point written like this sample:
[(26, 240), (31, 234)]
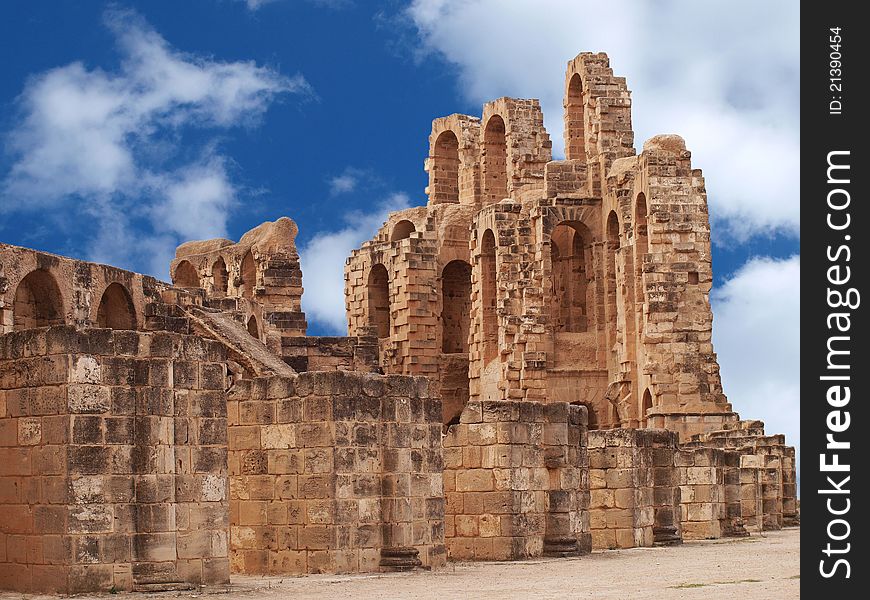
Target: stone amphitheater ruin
[(528, 372)]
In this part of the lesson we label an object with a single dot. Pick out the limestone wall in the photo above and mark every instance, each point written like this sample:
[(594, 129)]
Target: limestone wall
[(335, 472), (38, 289), (112, 461), (313, 353), (766, 473), (634, 490), (515, 481)]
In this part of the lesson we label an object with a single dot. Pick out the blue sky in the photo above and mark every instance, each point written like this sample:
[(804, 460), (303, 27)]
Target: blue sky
[(130, 127)]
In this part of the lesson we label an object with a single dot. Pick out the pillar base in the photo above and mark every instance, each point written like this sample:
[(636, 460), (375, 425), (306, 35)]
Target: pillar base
[(561, 547), (666, 536), (400, 558)]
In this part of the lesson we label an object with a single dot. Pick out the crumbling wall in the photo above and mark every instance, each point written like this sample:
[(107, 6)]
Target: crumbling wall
[(112, 461), (515, 481), (38, 289), (634, 490), (766, 473), (258, 277), (335, 472)]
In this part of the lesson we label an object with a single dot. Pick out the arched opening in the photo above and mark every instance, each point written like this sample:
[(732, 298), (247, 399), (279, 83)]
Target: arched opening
[(495, 186), (379, 300), (38, 302), (116, 309), (612, 249), (253, 329), (444, 173), (402, 230), (220, 277), (575, 128), (248, 275), (640, 228), (646, 404), (186, 275), (571, 252), (489, 294), (455, 307)]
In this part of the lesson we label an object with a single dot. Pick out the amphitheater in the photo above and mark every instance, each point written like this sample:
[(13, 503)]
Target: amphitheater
[(528, 372)]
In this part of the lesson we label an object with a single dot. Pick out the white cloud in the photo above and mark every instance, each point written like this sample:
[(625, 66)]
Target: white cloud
[(105, 139), (686, 65), (756, 333), (323, 262), (258, 4), (346, 182)]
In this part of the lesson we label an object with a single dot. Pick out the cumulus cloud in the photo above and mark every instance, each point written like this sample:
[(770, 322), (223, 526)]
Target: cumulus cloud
[(111, 140), (760, 370), (323, 262), (686, 65)]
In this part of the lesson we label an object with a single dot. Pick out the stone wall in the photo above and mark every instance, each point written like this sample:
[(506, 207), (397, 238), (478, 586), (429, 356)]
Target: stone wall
[(515, 481), (112, 461), (767, 473), (703, 503), (634, 491), (311, 353), (38, 289), (335, 472)]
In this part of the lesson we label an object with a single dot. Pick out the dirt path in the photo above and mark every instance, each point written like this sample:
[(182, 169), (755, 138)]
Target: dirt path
[(761, 567)]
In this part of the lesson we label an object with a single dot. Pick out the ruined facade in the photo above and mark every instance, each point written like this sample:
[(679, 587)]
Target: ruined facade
[(528, 372)]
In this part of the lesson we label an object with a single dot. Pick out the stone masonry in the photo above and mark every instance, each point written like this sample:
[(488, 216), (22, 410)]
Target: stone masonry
[(528, 372)]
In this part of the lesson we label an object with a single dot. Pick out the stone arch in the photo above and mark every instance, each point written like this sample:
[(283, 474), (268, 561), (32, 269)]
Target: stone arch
[(645, 405), (401, 230), (186, 275), (445, 169), (253, 327), (455, 307), (379, 300), (611, 267), (489, 295), (38, 302), (575, 125), (641, 230), (116, 310), (248, 272), (220, 277), (571, 256), (495, 180)]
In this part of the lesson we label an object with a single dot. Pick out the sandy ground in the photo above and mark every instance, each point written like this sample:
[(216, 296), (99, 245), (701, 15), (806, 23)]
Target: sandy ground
[(764, 567)]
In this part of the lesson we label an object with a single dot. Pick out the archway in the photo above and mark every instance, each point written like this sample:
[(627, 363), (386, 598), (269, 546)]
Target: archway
[(640, 228), (220, 277), (249, 275), (38, 302), (489, 294), (116, 310), (444, 183), (646, 404), (495, 185), (402, 230), (379, 300), (612, 249), (455, 307), (570, 249), (575, 127), (253, 329), (186, 275)]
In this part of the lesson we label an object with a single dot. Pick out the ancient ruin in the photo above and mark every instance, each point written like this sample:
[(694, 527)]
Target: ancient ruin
[(528, 372)]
